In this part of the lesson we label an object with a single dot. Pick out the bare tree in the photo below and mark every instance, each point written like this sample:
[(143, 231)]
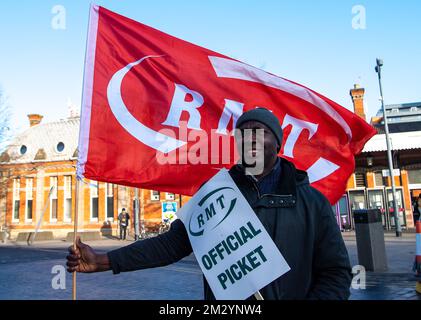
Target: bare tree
[(5, 115), (5, 135)]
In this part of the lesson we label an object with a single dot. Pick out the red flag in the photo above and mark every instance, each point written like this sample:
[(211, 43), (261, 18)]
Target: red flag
[(148, 96)]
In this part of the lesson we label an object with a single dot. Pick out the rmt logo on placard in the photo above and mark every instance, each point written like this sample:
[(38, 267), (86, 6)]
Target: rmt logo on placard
[(216, 208)]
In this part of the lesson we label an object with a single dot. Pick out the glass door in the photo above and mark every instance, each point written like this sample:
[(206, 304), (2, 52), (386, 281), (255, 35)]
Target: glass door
[(399, 200), (357, 201), (344, 214), (376, 201)]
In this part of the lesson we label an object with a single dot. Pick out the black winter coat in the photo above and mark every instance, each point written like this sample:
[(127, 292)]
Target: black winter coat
[(300, 221)]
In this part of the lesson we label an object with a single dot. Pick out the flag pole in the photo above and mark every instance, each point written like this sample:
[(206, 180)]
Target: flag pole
[(258, 296), (75, 235), (79, 174), (31, 239)]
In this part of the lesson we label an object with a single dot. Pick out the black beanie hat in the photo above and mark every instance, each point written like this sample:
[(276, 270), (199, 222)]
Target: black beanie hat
[(266, 117)]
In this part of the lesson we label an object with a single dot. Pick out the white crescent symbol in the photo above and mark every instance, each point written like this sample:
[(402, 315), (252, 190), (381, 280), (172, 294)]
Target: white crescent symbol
[(144, 134)]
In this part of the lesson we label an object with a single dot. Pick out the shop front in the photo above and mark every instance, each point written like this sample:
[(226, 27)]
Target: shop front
[(370, 198)]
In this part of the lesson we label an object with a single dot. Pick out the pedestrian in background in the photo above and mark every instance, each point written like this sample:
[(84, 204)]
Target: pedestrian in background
[(417, 209), (123, 219)]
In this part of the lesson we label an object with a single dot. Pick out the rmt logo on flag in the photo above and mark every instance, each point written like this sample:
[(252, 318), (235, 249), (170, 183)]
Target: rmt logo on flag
[(156, 111)]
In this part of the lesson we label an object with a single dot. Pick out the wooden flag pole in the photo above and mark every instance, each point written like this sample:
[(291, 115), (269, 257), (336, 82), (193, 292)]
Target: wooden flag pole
[(75, 234), (41, 218), (90, 37), (258, 296)]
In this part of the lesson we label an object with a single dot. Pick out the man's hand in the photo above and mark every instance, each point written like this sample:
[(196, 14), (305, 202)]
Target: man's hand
[(84, 259)]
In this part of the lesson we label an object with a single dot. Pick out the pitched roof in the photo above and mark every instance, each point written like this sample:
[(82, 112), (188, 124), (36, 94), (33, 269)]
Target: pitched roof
[(53, 141), (399, 141)]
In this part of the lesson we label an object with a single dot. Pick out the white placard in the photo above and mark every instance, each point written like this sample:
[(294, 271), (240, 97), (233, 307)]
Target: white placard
[(235, 252)]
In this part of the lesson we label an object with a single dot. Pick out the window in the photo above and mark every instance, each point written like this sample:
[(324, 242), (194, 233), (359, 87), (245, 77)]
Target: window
[(400, 205), (170, 196), (110, 201), (53, 201), (357, 200), (378, 179), (155, 195), (60, 147), (94, 200), (413, 118), (16, 205), (23, 149), (414, 176), (67, 198), (375, 199), (29, 191), (16, 199), (360, 179), (343, 206), (29, 210)]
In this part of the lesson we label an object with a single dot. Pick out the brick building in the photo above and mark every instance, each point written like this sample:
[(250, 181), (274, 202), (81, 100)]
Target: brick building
[(370, 185), (402, 117), (37, 179), (37, 172)]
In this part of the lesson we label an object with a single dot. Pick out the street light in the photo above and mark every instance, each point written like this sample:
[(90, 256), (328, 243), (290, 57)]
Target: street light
[(369, 161), (379, 64), (136, 214)]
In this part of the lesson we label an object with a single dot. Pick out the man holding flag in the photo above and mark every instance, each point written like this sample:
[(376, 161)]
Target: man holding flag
[(146, 93), (302, 225)]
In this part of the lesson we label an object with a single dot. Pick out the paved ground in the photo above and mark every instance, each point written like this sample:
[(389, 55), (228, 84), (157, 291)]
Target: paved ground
[(26, 273), (398, 282)]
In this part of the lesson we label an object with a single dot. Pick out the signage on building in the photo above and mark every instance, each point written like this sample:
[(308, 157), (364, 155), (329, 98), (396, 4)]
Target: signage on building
[(235, 252), (396, 172), (169, 208)]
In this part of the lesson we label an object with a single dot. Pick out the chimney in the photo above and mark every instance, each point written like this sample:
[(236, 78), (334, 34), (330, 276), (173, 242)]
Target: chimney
[(73, 112), (34, 119), (357, 95)]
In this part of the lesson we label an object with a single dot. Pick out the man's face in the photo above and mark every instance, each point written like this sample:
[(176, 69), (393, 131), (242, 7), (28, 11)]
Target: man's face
[(257, 144)]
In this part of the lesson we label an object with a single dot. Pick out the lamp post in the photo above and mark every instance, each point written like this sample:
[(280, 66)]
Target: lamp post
[(369, 161), (379, 64), (136, 214)]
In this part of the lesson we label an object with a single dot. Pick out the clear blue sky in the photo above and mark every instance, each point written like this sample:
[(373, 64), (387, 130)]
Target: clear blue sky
[(310, 42)]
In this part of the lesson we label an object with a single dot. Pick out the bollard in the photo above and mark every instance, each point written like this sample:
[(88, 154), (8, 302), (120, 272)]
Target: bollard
[(370, 240), (417, 263)]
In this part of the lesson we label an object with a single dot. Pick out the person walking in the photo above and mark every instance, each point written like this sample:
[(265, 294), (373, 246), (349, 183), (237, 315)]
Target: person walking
[(123, 220), (417, 209)]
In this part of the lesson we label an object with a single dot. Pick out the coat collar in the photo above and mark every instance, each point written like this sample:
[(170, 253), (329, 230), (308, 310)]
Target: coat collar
[(286, 194)]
